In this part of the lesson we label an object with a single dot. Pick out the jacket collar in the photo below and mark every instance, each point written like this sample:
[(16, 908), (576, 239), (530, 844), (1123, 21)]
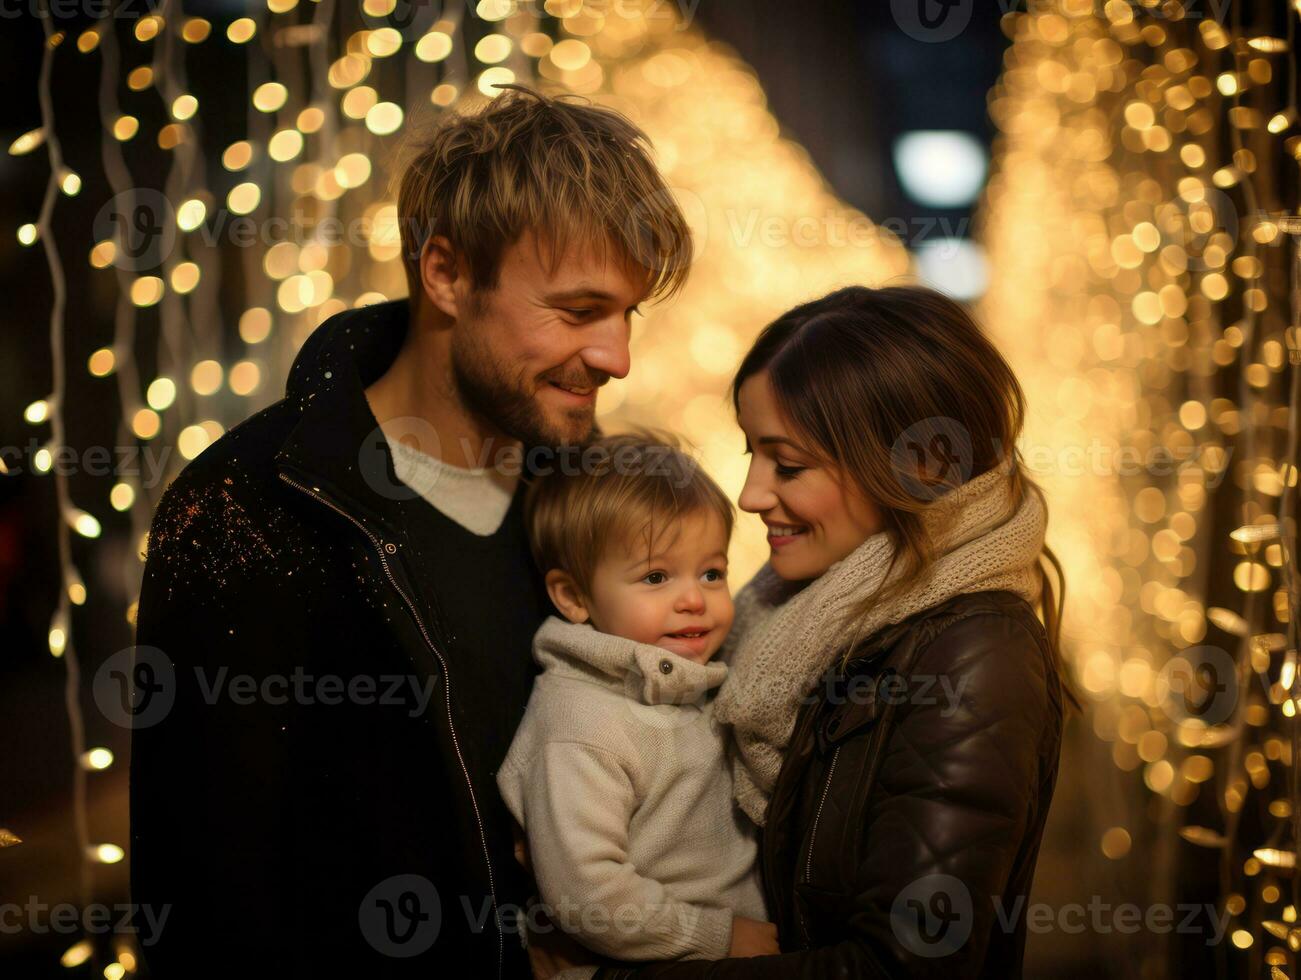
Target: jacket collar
[(646, 673), (337, 448)]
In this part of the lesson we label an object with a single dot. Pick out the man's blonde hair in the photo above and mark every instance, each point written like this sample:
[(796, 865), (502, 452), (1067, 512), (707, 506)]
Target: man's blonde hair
[(625, 489), (571, 172)]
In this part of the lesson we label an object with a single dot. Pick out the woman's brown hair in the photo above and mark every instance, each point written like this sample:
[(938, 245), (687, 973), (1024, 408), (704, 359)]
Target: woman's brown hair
[(858, 370)]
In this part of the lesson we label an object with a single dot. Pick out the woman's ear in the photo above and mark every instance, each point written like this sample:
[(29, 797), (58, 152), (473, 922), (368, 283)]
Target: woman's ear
[(439, 272), (567, 596)]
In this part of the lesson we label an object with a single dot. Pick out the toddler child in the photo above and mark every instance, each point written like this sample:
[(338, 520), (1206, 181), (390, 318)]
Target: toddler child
[(617, 772)]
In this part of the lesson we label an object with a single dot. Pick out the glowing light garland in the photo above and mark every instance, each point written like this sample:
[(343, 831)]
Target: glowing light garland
[(1142, 230)]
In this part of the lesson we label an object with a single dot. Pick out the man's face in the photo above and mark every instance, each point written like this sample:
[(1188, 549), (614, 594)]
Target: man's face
[(529, 355)]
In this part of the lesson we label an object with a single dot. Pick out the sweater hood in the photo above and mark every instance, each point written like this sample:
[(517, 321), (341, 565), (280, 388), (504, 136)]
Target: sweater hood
[(642, 671)]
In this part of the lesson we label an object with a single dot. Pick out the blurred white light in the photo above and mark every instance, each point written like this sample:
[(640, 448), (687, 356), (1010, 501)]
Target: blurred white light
[(941, 168), (954, 266)]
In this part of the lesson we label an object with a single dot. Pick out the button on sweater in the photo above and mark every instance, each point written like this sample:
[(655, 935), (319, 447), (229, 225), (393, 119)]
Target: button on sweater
[(617, 774)]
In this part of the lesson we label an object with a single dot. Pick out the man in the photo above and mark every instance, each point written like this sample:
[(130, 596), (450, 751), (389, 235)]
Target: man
[(338, 599)]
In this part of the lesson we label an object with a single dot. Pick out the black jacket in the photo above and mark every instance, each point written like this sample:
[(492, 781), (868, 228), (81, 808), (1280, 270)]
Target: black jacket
[(904, 827), (311, 777)]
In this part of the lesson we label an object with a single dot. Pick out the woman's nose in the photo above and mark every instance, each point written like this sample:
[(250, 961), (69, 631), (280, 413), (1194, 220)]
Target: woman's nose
[(755, 497)]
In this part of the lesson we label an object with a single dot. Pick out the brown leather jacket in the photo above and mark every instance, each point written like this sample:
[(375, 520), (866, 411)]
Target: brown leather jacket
[(903, 831)]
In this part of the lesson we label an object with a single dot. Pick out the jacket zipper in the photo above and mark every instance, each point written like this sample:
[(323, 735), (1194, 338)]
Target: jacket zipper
[(813, 835), (447, 693)]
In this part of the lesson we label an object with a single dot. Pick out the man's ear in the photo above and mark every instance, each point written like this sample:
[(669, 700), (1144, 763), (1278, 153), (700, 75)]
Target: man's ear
[(566, 595), (439, 274)]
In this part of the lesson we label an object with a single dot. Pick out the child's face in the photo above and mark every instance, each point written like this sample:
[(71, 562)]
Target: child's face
[(683, 587)]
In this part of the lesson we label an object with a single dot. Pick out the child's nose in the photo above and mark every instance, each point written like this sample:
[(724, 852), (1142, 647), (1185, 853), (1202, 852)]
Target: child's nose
[(691, 598)]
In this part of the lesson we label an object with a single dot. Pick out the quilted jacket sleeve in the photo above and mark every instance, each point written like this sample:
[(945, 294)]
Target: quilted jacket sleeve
[(953, 813)]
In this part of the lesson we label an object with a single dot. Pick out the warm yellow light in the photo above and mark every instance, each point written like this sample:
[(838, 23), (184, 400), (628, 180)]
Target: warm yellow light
[(97, 758), (492, 48), (244, 197), (102, 363), (185, 276), (76, 954), (122, 496), (255, 325), (26, 234), (191, 214), (285, 145), (196, 29), (237, 156), (206, 376), (434, 46), (571, 55), (84, 524), (492, 77), (241, 30), (184, 107), (384, 118), (106, 853), (352, 170), (245, 376), (70, 184), (383, 42), (146, 423), (125, 127), (37, 412), (146, 290), (494, 10), (192, 441), (161, 393), (269, 96)]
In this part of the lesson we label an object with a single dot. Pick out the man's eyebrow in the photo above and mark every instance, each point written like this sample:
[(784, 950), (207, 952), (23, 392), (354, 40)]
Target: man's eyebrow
[(581, 292)]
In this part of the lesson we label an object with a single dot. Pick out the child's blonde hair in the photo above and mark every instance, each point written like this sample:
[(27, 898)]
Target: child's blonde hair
[(626, 486)]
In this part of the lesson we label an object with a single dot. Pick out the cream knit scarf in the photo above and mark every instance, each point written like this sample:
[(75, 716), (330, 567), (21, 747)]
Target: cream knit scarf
[(786, 635)]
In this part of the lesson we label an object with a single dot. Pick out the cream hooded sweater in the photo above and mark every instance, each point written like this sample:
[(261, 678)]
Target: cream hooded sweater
[(617, 774)]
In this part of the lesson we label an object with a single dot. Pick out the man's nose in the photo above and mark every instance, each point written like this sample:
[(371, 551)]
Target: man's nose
[(607, 350)]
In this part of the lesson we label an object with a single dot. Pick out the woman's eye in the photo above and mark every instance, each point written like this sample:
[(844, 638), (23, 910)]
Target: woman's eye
[(655, 578), (790, 470)]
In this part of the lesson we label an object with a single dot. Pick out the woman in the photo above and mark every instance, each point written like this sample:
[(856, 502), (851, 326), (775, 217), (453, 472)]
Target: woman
[(894, 702)]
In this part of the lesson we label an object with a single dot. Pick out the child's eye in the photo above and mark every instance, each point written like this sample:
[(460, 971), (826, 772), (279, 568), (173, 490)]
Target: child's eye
[(719, 574), (652, 579)]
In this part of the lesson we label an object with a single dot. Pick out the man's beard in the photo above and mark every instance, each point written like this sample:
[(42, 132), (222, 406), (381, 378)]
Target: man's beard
[(487, 389)]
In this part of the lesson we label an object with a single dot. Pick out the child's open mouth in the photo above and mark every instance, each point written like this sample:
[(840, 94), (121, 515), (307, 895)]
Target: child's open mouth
[(689, 641)]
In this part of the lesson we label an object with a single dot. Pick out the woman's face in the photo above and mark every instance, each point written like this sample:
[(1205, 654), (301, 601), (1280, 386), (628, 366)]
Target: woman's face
[(815, 516)]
